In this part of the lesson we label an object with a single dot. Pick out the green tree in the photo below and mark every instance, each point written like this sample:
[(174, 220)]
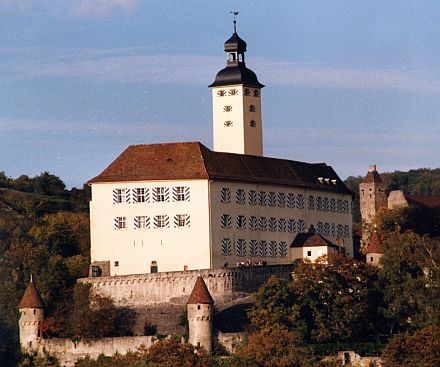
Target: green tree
[(274, 306), (274, 348), (421, 349), (339, 299), (411, 276), (55, 233), (48, 184)]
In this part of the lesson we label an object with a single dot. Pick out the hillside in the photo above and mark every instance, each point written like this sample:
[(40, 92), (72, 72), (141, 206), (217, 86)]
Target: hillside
[(44, 230), (421, 181)]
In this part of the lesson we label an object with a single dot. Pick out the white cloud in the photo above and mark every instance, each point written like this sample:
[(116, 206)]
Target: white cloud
[(102, 8), (88, 8), (130, 66), (350, 78)]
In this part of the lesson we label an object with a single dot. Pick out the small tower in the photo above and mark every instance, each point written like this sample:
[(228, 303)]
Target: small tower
[(236, 100), (374, 250), (200, 307), (31, 310), (372, 198)]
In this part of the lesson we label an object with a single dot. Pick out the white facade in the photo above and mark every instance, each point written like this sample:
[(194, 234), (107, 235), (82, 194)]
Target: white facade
[(237, 119), (312, 253), (134, 245), (210, 224)]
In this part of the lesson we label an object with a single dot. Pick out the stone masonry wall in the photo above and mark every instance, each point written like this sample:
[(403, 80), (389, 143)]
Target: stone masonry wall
[(68, 352), (174, 288)]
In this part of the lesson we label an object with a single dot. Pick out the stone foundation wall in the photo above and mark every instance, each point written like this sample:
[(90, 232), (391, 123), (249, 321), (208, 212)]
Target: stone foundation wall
[(67, 352), (174, 288)]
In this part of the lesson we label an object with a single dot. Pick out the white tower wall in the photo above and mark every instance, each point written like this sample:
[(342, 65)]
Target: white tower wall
[(237, 119), (200, 325), (30, 323)]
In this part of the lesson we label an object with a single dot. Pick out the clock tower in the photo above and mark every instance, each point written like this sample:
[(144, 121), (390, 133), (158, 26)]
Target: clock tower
[(236, 101)]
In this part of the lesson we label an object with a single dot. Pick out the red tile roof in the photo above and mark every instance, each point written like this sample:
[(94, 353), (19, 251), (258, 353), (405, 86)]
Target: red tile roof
[(311, 239), (200, 293), (31, 298), (428, 201), (375, 244), (193, 160)]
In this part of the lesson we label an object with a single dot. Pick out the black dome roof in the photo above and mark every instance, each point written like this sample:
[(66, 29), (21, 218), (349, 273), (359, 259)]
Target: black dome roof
[(235, 43), (237, 74)]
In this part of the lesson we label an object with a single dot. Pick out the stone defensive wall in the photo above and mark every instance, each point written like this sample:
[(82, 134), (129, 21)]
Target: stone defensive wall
[(173, 288), (68, 352)]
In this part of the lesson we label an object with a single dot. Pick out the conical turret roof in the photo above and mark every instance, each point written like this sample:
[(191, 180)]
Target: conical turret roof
[(31, 298), (200, 293), (375, 244)]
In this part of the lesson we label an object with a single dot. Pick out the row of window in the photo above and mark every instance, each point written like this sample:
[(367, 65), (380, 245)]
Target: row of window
[(254, 248), (157, 221), (234, 92), (158, 194), (333, 230), (288, 200), (263, 224), (282, 225), (229, 123)]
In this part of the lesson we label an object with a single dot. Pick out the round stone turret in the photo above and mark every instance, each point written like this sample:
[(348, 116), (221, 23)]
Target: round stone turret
[(200, 307), (31, 318), (374, 250)]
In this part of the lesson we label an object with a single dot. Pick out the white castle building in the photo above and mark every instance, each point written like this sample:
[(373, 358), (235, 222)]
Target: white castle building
[(182, 206)]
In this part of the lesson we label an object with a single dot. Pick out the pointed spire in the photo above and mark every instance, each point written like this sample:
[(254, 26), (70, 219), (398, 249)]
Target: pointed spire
[(31, 298), (375, 244), (200, 293)]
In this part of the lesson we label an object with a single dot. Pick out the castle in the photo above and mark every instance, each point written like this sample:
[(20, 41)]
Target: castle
[(173, 225), (374, 196)]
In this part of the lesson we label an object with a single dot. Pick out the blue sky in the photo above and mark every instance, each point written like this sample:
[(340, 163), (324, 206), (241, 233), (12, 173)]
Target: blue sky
[(348, 83)]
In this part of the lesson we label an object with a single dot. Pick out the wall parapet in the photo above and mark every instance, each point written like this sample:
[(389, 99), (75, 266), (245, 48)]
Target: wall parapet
[(68, 352), (224, 284)]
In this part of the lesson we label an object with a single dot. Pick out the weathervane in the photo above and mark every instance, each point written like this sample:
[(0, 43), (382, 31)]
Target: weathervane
[(235, 21)]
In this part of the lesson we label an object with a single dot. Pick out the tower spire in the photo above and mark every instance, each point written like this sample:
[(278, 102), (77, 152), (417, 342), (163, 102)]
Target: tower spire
[(235, 13)]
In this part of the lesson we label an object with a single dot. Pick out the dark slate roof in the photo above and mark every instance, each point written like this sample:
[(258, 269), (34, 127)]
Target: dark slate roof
[(235, 44), (200, 293), (375, 244), (172, 161), (236, 74), (311, 239), (428, 201), (31, 298)]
